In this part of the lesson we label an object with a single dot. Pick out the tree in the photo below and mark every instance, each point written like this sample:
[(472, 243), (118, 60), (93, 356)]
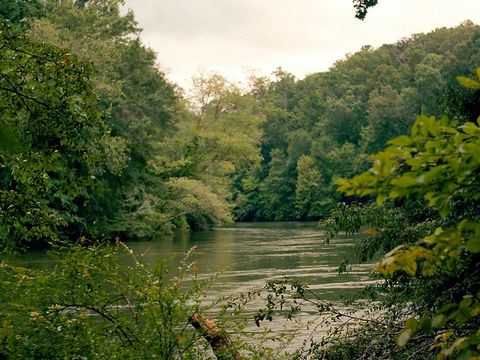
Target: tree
[(429, 82), (277, 190), (48, 104), (138, 103), (362, 6), (340, 116), (20, 12), (217, 138), (309, 190), (386, 114), (439, 164)]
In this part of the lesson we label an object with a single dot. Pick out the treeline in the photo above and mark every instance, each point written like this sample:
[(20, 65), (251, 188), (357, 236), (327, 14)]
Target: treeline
[(96, 142), (326, 125)]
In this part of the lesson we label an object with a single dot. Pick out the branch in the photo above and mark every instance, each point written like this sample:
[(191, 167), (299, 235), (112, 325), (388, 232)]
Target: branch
[(217, 338), (103, 312), (335, 311), (22, 95)]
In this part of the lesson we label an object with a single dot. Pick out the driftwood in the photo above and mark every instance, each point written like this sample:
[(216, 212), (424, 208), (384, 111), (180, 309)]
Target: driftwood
[(218, 339)]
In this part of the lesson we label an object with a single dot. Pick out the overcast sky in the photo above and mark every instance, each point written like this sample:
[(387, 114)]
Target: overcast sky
[(301, 36)]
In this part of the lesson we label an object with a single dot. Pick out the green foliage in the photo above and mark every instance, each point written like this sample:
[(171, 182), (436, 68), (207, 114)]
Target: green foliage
[(108, 302), (101, 302), (217, 139), (362, 6), (9, 142), (50, 109), (196, 202), (136, 101), (95, 141), (339, 117), (244, 147), (435, 162), (309, 192), (427, 306), (277, 191), (439, 164), (20, 12)]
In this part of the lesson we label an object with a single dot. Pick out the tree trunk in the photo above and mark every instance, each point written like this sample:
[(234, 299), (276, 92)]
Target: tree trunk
[(218, 339)]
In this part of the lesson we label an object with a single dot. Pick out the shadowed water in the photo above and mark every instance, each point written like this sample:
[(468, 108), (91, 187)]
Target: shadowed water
[(250, 254)]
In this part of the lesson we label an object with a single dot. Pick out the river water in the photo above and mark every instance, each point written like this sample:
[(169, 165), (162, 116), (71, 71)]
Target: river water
[(250, 254)]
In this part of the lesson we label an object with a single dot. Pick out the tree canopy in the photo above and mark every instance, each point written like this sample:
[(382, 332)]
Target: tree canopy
[(362, 6), (338, 117), (97, 143)]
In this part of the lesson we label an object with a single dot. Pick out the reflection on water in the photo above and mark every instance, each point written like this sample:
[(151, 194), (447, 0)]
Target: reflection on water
[(250, 254)]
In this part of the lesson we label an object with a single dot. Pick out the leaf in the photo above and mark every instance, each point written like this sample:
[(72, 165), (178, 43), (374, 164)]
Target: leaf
[(424, 126), (9, 142), (410, 265), (405, 181), (437, 321), (343, 184), (468, 83), (380, 199), (469, 128), (404, 336), (473, 245), (412, 324), (466, 302), (401, 141)]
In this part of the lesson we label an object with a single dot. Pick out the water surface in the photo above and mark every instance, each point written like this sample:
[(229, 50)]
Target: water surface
[(250, 254)]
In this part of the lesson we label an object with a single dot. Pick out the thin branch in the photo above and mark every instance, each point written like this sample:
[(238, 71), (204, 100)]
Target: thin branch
[(103, 312), (23, 96), (335, 311)]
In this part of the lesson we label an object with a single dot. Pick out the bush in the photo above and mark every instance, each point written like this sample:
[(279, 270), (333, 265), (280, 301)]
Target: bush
[(100, 302)]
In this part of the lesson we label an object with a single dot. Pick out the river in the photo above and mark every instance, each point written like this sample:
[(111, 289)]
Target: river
[(250, 254)]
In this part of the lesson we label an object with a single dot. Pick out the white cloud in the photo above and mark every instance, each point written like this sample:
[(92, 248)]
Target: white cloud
[(302, 36)]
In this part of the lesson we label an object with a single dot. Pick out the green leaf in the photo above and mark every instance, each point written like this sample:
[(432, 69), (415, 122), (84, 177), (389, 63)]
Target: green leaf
[(466, 302), (380, 199), (469, 128), (342, 183), (468, 83), (473, 245), (412, 324), (401, 141), (438, 321), (9, 142), (405, 181)]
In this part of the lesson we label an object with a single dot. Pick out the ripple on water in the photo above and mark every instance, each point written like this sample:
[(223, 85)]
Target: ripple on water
[(252, 254)]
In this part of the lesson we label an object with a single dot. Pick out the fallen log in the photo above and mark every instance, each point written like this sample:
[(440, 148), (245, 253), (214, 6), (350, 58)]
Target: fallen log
[(218, 339)]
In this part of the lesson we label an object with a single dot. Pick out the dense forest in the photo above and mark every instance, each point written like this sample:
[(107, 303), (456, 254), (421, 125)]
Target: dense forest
[(327, 124), (145, 159), (96, 145), (107, 147)]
